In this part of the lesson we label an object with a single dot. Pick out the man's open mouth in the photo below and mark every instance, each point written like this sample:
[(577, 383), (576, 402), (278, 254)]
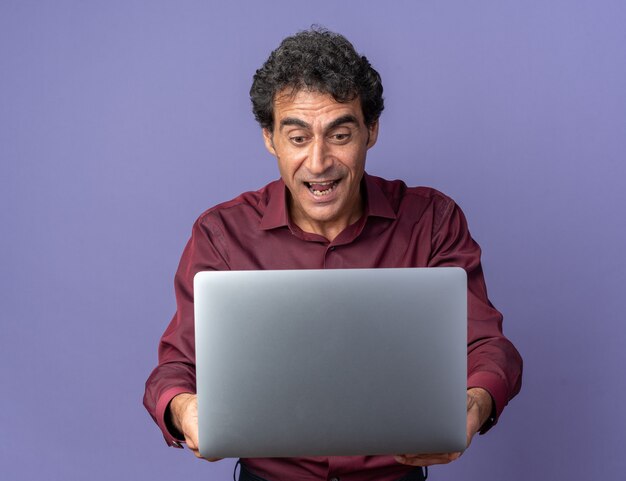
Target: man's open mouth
[(320, 189)]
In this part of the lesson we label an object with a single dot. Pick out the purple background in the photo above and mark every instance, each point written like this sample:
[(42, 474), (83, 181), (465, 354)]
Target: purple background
[(121, 121)]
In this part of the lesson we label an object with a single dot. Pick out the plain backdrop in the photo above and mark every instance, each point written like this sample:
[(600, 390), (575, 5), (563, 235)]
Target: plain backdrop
[(121, 121)]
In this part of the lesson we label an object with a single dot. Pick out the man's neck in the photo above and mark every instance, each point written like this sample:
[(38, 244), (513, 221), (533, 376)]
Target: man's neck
[(328, 229)]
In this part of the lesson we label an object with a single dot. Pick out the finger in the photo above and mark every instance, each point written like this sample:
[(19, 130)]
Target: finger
[(473, 423), (192, 444), (427, 459), (197, 454), (191, 435)]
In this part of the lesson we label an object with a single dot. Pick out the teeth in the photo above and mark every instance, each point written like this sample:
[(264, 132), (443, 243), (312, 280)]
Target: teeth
[(320, 193)]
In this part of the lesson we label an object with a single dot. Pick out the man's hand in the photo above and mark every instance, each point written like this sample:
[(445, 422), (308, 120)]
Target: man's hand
[(183, 410), (479, 405)]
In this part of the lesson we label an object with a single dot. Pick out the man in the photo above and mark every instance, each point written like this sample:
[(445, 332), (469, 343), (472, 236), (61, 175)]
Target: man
[(318, 103)]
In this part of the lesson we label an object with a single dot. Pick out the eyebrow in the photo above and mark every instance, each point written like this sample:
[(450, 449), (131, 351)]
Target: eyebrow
[(344, 119), (293, 121)]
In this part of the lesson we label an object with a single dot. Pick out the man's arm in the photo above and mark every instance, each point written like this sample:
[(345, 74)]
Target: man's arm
[(494, 365), (176, 373)]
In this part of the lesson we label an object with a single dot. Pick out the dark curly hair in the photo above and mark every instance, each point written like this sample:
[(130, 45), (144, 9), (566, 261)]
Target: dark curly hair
[(317, 60)]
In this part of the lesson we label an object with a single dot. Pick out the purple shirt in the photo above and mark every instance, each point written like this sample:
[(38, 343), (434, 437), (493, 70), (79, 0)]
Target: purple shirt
[(401, 227)]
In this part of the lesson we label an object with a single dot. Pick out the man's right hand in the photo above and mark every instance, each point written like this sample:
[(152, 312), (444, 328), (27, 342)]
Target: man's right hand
[(183, 411)]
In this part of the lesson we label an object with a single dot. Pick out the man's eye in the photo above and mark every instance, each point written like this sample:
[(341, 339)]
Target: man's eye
[(340, 137), (298, 139)]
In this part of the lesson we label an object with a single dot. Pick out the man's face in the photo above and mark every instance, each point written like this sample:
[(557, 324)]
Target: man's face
[(321, 147)]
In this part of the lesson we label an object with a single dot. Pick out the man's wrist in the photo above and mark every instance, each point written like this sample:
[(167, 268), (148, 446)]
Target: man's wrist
[(485, 403), (175, 410)]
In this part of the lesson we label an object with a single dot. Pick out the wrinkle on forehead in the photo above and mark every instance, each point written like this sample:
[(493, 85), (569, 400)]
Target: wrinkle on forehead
[(318, 103), (289, 93)]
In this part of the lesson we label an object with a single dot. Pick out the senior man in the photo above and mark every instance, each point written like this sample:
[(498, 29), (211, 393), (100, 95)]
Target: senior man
[(318, 103)]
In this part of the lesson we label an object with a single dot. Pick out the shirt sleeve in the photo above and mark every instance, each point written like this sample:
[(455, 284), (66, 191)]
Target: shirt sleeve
[(176, 372), (494, 364)]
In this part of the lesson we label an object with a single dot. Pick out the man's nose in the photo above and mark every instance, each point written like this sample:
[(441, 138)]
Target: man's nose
[(319, 158)]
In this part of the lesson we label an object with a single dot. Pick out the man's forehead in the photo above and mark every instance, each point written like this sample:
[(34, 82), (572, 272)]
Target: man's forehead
[(313, 104)]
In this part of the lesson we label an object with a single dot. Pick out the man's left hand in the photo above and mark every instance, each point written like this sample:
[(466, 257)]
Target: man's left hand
[(479, 405)]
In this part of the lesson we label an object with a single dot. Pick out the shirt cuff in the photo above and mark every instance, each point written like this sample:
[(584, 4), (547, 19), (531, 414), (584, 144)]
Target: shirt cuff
[(161, 406), (496, 387)]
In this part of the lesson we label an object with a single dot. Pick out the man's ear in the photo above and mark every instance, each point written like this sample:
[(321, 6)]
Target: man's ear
[(373, 135), (269, 141)]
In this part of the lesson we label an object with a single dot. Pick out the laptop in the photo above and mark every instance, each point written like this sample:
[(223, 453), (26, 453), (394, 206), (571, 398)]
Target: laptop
[(331, 362)]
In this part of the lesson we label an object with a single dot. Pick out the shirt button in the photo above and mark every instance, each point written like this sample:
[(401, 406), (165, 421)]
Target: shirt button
[(334, 479)]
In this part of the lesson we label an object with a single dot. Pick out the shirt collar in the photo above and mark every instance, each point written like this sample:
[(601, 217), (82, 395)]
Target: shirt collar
[(378, 204), (276, 212)]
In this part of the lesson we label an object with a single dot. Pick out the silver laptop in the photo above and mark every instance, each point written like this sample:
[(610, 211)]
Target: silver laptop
[(331, 362)]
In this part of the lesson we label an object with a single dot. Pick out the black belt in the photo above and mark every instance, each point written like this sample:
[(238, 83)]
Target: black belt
[(417, 474)]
